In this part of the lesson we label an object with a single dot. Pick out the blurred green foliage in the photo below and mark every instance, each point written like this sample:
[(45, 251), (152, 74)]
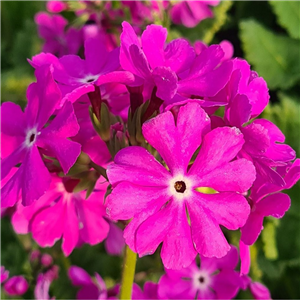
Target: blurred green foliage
[(267, 35)]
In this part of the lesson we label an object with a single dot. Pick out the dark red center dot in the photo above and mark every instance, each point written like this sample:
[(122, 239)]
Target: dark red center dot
[(90, 80), (201, 279), (32, 138), (180, 186)]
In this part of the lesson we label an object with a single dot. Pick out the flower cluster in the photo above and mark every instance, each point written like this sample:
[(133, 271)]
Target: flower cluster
[(165, 135)]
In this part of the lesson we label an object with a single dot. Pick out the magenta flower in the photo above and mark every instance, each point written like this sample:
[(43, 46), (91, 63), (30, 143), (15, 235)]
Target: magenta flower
[(43, 282), (4, 274), (266, 200), (32, 139), (158, 199), (16, 286), (56, 6), (60, 213), (191, 13), (59, 42), (114, 243), (215, 279)]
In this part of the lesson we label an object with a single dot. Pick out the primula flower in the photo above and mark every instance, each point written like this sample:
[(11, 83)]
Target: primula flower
[(158, 200), (59, 42), (191, 13), (31, 136), (266, 200), (43, 282), (56, 6), (215, 279), (97, 289), (16, 286), (60, 213), (247, 96), (4, 274)]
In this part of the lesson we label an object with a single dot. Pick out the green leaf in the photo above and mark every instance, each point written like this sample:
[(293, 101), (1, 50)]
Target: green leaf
[(288, 16), (269, 240), (275, 57)]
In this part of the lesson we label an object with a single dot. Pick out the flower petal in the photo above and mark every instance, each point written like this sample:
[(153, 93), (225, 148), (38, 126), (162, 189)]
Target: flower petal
[(136, 165), (219, 146), (128, 199), (178, 250)]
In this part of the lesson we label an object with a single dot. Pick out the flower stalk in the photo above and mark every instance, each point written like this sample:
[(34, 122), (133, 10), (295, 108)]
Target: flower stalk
[(128, 273)]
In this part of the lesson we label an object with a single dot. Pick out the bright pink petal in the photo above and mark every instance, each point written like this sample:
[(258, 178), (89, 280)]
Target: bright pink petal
[(138, 166), (245, 258), (229, 142), (154, 230), (153, 41), (12, 119), (228, 209), (259, 291), (79, 276), (36, 178), (179, 55), (207, 236), (166, 82), (91, 212), (74, 66), (71, 229), (226, 284), (274, 205), (48, 225), (128, 199), (178, 250), (169, 288), (141, 66), (114, 242), (236, 176), (48, 93), (251, 230), (12, 160)]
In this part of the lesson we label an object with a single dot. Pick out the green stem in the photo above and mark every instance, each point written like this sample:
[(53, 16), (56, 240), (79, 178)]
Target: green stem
[(128, 274)]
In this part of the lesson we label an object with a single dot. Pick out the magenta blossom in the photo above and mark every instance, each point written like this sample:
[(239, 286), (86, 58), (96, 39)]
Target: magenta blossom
[(191, 13), (43, 282), (4, 274), (56, 6), (16, 286), (215, 279), (59, 42), (158, 200), (60, 213), (32, 139), (266, 200)]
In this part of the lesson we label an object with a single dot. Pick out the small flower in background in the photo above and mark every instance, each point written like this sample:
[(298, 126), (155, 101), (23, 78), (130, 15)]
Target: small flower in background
[(4, 274), (16, 286), (215, 279), (191, 13)]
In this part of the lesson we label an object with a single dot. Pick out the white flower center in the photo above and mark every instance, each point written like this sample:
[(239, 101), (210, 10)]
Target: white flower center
[(180, 187), (201, 280), (31, 137), (89, 78)]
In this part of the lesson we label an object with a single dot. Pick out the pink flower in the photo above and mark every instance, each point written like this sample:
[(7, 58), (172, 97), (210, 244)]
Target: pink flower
[(32, 138), (51, 28), (158, 199), (190, 13), (43, 282), (215, 279), (4, 274), (60, 213), (266, 200), (16, 286), (56, 6)]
